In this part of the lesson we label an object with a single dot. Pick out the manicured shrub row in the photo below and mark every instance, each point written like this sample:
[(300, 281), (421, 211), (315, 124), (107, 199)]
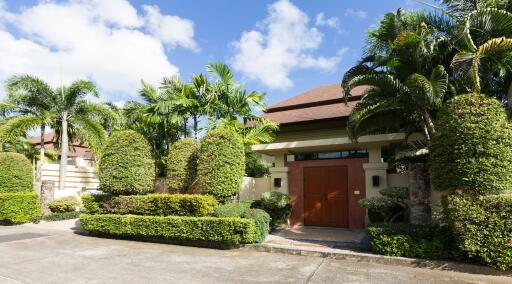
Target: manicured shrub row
[(151, 204), (182, 165), (483, 227), (65, 204), (243, 210), (126, 166), (402, 239), (221, 164), (229, 231), (60, 216), (277, 205), (472, 148), (15, 173), (19, 207)]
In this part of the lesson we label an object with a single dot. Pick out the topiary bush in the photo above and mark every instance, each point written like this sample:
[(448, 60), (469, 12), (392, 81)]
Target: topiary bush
[(208, 230), (277, 205), (126, 166), (391, 205), (471, 150), (15, 173), (409, 240), (182, 165), (483, 227), (243, 210), (93, 203), (63, 205), (221, 164), (19, 207)]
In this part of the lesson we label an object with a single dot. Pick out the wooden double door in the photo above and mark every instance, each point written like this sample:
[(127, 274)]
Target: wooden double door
[(326, 196)]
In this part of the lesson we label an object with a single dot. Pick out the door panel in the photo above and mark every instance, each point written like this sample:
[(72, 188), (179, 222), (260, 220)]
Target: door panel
[(325, 196)]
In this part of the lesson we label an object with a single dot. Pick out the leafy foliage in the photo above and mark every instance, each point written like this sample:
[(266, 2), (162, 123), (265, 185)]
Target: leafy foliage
[(244, 210), (126, 166), (277, 205), (391, 205), (19, 207), (182, 165), (15, 173), (472, 150), (410, 240), (52, 217), (63, 205), (221, 164), (256, 166), (210, 231), (483, 227)]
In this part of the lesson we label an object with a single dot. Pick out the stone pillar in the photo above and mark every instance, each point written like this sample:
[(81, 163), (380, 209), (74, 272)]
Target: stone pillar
[(47, 194), (419, 194)]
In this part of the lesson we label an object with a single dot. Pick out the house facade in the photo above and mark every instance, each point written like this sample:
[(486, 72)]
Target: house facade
[(319, 166)]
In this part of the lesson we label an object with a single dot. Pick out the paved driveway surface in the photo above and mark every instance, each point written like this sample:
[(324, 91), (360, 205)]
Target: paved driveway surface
[(45, 254)]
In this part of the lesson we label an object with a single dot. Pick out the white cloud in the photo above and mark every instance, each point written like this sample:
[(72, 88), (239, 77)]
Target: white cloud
[(171, 30), (332, 22), (281, 44), (103, 41), (360, 14)]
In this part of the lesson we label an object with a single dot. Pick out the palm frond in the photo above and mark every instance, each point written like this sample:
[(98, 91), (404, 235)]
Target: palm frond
[(18, 126), (89, 132)]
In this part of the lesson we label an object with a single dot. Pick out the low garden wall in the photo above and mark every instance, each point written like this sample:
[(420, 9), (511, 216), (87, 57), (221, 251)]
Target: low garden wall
[(253, 188)]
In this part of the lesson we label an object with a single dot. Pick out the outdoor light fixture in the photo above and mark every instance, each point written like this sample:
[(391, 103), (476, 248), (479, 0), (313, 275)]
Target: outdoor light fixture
[(277, 182), (375, 181)]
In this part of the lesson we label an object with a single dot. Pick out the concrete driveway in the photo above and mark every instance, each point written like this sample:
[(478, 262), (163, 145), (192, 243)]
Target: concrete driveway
[(51, 253)]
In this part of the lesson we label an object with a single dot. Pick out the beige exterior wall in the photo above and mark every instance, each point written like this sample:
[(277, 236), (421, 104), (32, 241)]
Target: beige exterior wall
[(253, 188), (78, 179)]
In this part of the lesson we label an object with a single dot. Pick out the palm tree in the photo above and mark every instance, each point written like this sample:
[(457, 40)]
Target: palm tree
[(30, 99)]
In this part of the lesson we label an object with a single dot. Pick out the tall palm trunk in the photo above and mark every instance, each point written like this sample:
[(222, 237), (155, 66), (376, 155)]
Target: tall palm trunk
[(63, 151), (196, 126), (41, 151)]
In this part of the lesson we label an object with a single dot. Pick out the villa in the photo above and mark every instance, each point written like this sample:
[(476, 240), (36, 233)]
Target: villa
[(319, 166)]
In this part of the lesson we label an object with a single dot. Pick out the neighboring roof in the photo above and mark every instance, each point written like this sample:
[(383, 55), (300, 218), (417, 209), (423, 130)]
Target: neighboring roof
[(320, 103), (77, 150)]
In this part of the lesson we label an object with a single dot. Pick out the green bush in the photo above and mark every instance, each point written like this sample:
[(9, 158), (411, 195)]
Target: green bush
[(228, 231), (472, 148), (221, 165), (235, 209), (388, 207), (162, 205), (243, 210), (262, 221), (15, 173), (19, 207), (277, 205), (483, 227), (256, 166), (402, 239), (61, 216), (182, 165), (126, 166), (65, 204), (93, 203)]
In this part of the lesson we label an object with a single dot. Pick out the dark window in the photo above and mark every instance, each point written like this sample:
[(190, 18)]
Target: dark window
[(331, 155)]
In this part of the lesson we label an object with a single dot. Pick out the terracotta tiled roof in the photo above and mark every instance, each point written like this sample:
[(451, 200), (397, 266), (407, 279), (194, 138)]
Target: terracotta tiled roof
[(321, 103), (77, 150)]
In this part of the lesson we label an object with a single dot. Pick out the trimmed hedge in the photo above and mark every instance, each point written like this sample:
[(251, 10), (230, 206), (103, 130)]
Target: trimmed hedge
[(221, 164), (277, 205), (243, 210), (61, 216), (483, 227), (471, 150), (15, 173), (126, 166), (19, 207), (228, 231), (93, 203), (402, 239), (182, 165), (65, 204)]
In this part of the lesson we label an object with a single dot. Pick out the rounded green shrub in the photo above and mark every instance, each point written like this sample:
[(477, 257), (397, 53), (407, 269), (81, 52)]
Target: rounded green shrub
[(15, 173), (182, 165), (126, 166), (19, 207), (221, 164), (472, 148), (64, 204)]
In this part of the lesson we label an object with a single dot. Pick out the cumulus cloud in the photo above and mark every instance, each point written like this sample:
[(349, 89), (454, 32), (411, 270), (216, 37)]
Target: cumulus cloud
[(360, 14), (107, 42), (280, 44)]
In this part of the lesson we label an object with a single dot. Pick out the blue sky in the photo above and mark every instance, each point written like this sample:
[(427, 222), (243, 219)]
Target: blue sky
[(280, 47)]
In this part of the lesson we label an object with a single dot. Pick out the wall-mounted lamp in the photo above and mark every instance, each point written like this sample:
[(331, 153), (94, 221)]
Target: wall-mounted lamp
[(278, 182), (375, 181)]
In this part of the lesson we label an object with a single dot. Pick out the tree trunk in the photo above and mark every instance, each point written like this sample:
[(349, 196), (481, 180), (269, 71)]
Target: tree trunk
[(47, 193), (63, 151), (41, 151), (428, 122), (419, 194), (196, 126), (509, 99)]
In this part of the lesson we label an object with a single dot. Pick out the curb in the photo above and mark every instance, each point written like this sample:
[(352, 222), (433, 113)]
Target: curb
[(381, 259)]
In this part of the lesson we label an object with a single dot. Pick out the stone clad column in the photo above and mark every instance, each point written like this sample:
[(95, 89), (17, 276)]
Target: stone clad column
[(47, 193), (419, 194)]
